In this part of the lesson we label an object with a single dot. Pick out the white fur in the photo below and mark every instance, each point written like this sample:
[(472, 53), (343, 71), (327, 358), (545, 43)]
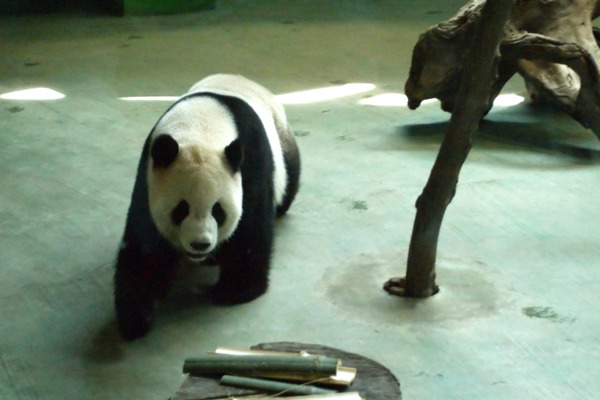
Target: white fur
[(203, 127), (200, 175), (202, 121), (264, 104)]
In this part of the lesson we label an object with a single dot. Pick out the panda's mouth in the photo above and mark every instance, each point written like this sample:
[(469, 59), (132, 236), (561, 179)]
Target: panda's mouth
[(196, 257)]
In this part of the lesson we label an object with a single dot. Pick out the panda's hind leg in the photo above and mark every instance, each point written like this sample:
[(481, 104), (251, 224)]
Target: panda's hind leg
[(291, 158)]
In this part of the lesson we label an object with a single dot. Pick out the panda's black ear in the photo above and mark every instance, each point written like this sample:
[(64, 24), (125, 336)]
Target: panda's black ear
[(164, 151), (235, 154)]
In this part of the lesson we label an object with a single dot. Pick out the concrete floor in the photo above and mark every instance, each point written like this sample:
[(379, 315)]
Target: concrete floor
[(518, 260)]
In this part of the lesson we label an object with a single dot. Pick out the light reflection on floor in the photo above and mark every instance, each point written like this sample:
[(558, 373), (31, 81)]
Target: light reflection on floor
[(300, 97), (40, 93)]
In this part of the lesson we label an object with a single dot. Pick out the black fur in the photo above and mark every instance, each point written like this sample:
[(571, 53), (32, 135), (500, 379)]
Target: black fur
[(146, 262), (244, 258), (144, 259), (235, 154), (164, 151)]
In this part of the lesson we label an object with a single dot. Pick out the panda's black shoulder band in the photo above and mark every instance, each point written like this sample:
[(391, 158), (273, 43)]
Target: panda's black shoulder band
[(235, 154)]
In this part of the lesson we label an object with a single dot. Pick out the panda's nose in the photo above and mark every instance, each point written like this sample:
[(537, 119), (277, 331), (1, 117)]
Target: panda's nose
[(200, 246)]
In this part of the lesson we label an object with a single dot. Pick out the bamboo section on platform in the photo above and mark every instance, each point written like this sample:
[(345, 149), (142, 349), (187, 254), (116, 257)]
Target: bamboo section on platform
[(272, 386), (225, 364)]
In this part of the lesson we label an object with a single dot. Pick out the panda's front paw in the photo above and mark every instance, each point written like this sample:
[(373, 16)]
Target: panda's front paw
[(133, 320), (132, 328), (223, 293)]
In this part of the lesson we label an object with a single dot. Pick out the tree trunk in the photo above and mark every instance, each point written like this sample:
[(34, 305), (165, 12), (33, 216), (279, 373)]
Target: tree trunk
[(550, 43), (472, 101)]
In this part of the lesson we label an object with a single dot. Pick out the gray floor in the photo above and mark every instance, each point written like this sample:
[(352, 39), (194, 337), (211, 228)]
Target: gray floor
[(518, 259)]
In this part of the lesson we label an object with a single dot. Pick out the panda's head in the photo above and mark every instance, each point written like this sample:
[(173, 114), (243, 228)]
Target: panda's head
[(195, 193)]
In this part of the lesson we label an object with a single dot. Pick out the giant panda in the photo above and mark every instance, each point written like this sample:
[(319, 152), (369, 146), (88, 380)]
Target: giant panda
[(216, 169)]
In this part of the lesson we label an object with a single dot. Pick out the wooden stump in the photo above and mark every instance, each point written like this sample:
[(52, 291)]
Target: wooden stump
[(373, 380)]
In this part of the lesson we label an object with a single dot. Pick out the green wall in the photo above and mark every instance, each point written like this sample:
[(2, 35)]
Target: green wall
[(118, 7), (154, 7), (31, 6)]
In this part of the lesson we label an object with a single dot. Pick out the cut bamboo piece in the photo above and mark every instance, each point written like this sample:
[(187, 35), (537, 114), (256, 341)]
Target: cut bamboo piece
[(272, 386), (332, 396), (344, 376), (232, 351), (224, 364)]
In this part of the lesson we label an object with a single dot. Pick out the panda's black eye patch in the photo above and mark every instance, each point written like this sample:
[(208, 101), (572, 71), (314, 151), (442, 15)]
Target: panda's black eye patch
[(218, 214), (180, 212)]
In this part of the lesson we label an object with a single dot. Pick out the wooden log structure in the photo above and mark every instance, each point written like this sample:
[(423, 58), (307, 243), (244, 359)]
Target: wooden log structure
[(465, 62)]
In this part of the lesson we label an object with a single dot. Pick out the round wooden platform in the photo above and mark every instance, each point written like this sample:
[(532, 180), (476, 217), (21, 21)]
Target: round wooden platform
[(373, 381)]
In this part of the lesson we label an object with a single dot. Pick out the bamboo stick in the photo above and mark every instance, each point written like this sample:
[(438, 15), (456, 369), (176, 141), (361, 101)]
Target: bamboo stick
[(344, 375), (226, 364), (232, 351), (272, 386), (332, 396)]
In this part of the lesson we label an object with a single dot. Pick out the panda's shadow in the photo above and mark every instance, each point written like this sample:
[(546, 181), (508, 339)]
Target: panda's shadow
[(187, 300), (106, 346)]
